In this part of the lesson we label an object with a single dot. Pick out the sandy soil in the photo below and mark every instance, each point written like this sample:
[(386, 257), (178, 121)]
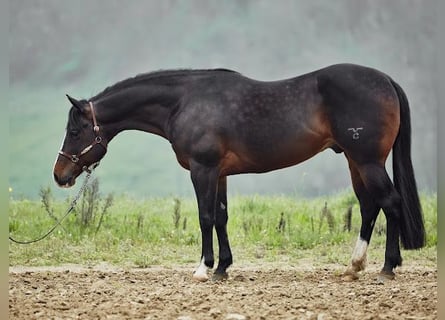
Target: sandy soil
[(251, 292)]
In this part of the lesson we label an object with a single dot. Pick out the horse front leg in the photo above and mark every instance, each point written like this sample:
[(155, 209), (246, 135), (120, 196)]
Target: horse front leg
[(205, 180), (225, 254)]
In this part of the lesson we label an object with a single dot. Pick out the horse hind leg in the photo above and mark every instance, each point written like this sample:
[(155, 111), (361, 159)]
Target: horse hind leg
[(369, 211), (380, 186)]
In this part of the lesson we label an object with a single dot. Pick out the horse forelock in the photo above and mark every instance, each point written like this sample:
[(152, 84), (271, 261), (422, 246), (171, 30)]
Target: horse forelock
[(73, 119)]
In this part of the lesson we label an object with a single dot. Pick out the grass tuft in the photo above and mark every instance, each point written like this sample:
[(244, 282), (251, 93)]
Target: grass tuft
[(134, 232)]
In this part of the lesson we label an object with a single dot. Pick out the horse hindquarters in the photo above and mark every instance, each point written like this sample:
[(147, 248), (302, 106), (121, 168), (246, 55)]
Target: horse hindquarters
[(383, 125)]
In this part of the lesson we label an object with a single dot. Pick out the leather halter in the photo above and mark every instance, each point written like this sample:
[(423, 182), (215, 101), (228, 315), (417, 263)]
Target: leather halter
[(74, 158)]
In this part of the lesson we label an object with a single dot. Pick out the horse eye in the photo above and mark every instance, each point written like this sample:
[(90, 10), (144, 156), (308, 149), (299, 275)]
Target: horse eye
[(74, 133)]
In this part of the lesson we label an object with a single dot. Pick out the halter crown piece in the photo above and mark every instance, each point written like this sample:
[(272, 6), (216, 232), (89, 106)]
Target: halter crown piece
[(95, 126), (97, 140)]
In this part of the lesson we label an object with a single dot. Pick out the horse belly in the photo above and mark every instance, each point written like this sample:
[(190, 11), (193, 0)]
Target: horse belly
[(271, 155)]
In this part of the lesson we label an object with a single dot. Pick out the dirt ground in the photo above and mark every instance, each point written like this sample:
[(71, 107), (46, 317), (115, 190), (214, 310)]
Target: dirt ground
[(251, 292)]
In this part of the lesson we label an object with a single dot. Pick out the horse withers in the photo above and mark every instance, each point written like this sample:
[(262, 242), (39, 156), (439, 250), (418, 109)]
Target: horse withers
[(222, 123)]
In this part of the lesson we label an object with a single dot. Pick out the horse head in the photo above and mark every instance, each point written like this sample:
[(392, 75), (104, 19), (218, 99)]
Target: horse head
[(83, 146)]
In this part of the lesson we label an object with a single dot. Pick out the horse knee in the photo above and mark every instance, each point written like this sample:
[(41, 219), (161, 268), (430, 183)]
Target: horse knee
[(206, 222)]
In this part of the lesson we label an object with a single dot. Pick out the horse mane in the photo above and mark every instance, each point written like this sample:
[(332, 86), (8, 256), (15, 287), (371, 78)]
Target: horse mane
[(160, 75)]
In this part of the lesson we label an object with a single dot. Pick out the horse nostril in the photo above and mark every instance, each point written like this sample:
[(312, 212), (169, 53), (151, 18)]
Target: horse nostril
[(60, 181)]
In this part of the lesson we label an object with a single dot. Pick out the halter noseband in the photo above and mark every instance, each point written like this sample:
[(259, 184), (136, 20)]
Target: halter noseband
[(74, 158)]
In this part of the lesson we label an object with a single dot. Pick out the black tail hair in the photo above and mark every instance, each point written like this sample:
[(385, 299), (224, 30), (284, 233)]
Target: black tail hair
[(412, 230)]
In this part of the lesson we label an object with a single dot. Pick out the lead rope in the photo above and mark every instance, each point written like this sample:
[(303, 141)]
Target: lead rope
[(73, 204)]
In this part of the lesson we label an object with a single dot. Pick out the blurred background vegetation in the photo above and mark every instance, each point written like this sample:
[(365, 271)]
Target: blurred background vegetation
[(80, 47)]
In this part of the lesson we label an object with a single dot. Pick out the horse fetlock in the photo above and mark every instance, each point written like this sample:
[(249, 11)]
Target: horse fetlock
[(224, 263), (398, 261), (352, 272), (359, 264), (222, 266), (392, 262), (209, 263)]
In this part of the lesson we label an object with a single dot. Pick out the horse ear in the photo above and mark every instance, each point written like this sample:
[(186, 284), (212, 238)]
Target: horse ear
[(76, 103)]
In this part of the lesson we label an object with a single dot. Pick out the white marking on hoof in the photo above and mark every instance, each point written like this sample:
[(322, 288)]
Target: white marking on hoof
[(359, 254), (201, 272)]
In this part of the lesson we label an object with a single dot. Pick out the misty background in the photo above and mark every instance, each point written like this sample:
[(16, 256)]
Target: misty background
[(81, 47)]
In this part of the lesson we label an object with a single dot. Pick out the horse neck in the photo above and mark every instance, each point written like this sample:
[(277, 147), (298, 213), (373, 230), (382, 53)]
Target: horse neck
[(143, 107)]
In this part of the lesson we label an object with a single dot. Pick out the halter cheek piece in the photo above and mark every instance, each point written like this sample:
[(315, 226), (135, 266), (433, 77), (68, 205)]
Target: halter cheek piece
[(74, 158)]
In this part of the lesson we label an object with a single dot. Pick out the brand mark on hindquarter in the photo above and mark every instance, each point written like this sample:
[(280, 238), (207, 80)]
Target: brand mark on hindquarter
[(355, 132)]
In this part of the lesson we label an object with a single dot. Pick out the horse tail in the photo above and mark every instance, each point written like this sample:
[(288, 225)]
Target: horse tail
[(412, 230)]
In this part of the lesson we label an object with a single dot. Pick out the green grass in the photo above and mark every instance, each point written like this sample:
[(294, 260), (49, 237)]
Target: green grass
[(165, 231)]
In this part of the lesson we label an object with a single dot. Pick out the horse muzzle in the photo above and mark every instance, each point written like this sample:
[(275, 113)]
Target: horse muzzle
[(64, 181), (68, 179), (65, 173)]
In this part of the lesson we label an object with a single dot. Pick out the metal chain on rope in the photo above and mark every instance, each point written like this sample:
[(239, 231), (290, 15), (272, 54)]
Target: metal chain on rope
[(73, 204)]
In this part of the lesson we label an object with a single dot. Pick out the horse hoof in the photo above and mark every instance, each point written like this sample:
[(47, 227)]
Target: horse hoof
[(200, 277), (220, 276), (350, 276), (382, 277)]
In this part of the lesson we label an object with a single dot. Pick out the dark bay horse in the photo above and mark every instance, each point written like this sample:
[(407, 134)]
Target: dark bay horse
[(221, 123)]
